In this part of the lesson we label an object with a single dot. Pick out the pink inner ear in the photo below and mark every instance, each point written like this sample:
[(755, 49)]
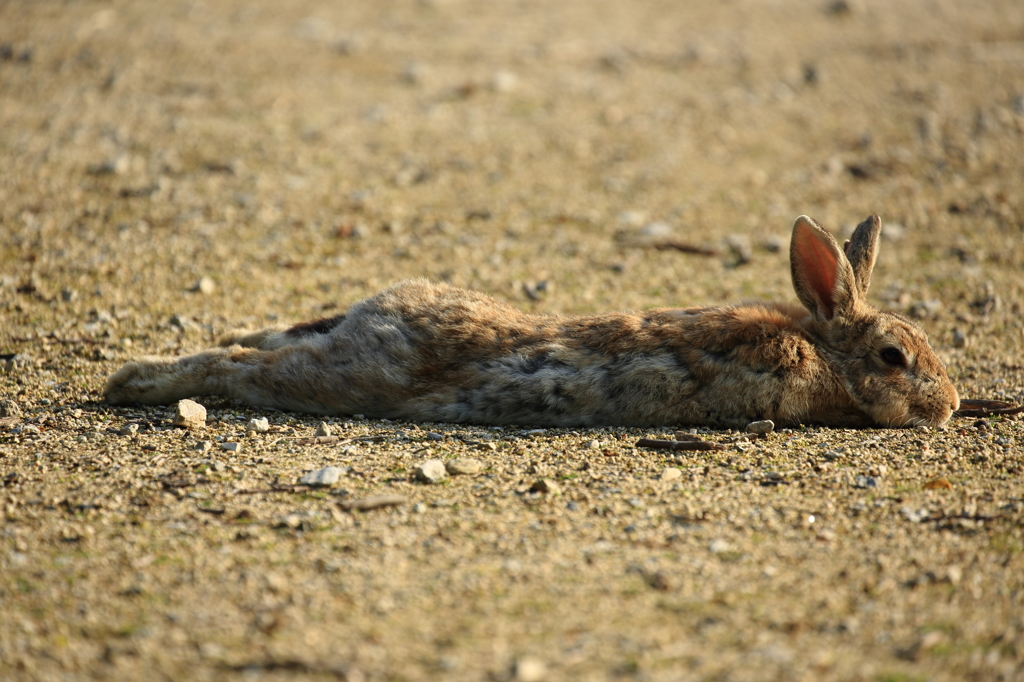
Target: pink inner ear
[(819, 267)]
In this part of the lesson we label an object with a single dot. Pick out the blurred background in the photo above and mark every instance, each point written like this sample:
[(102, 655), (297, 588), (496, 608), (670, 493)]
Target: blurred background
[(231, 163)]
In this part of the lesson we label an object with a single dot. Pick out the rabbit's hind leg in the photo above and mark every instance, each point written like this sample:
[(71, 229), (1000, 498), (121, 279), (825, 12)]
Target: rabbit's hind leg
[(294, 377), (161, 381), (280, 336)]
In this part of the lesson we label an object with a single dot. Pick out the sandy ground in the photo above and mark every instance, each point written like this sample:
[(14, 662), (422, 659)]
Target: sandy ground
[(173, 170)]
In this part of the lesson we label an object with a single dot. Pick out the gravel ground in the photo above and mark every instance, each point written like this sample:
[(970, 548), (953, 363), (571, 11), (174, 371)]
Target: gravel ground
[(174, 170)]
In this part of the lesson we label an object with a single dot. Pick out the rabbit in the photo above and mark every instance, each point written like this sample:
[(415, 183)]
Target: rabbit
[(427, 352)]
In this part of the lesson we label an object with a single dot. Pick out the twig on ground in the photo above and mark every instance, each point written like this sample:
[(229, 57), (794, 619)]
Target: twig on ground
[(678, 444), (375, 502), (987, 408), (337, 440), (685, 248), (276, 488)]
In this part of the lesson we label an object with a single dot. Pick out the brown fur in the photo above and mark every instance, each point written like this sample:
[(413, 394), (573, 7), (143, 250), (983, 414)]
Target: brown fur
[(429, 352)]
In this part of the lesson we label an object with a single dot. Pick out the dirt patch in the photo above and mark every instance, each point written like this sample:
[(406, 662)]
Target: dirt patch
[(173, 171)]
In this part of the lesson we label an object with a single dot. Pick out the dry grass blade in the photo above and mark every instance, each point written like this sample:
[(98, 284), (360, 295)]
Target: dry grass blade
[(323, 440), (685, 248), (336, 440), (678, 444), (298, 666), (375, 502), (276, 488), (8, 422)]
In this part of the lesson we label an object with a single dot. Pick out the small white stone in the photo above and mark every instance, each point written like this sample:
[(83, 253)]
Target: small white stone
[(9, 408), (530, 669), (656, 230), (504, 81), (204, 285), (546, 486), (189, 414), (323, 431), (430, 471), (327, 476), (594, 444), (719, 546), (203, 446), (258, 425), (761, 428), (464, 466), (231, 446), (669, 474)]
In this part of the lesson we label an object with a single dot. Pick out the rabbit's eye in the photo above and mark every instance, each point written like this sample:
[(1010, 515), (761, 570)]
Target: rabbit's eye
[(893, 356)]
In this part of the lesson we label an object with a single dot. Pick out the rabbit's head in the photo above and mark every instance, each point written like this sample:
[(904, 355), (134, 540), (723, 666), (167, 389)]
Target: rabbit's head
[(882, 359)]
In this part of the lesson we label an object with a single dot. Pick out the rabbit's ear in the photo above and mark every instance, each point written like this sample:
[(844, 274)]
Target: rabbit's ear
[(862, 250), (822, 276)]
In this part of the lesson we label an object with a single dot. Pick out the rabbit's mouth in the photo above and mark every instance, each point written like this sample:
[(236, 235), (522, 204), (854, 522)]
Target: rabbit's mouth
[(932, 415), (935, 414)]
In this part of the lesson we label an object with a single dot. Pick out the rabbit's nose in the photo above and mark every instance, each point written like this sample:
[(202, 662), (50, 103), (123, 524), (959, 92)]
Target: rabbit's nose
[(954, 397)]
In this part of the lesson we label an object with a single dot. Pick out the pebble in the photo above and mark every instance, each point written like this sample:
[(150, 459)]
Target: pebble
[(656, 230), (20, 361), (740, 246), (464, 466), (129, 430), (914, 515), (546, 486), (431, 471), (960, 339), (181, 322), (231, 446), (926, 309), (669, 474), (434, 436), (189, 414), (203, 446), (419, 508), (327, 476), (9, 408), (295, 521), (258, 425), (719, 546), (865, 482), (323, 431), (844, 7), (761, 428), (529, 669), (204, 285), (594, 444), (504, 81), (774, 244)]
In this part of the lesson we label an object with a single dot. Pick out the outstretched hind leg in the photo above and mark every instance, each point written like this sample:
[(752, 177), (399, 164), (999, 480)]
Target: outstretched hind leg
[(294, 378)]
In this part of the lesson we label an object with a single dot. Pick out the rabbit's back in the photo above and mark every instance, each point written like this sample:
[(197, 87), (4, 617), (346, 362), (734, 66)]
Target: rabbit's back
[(425, 351)]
